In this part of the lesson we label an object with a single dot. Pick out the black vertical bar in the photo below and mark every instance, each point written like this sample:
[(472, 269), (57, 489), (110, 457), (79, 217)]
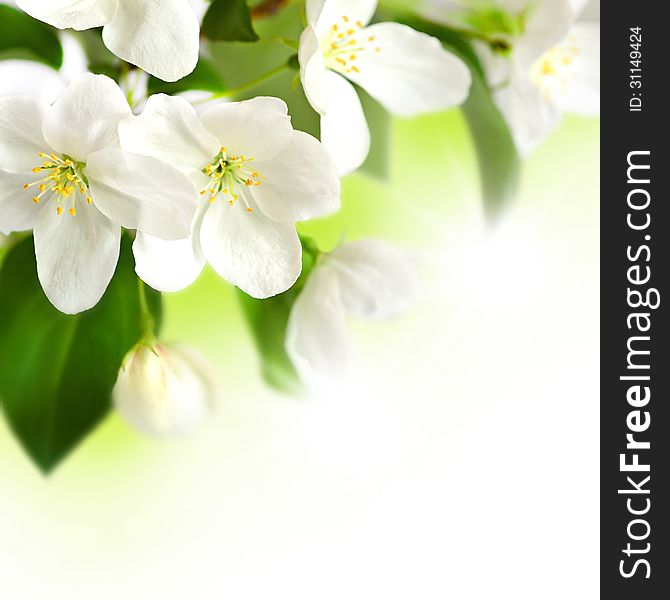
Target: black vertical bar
[(635, 243)]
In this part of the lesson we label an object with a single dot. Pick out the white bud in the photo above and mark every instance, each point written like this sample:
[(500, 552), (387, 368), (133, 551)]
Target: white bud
[(165, 390)]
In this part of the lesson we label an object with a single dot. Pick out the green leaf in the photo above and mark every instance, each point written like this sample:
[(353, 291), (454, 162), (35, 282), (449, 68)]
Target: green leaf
[(499, 161), (57, 371), (377, 163), (230, 21), (204, 77), (268, 320), (19, 32)]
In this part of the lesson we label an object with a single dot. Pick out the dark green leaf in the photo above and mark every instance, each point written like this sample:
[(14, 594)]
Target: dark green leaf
[(230, 21), (204, 77), (19, 32), (268, 320), (57, 371)]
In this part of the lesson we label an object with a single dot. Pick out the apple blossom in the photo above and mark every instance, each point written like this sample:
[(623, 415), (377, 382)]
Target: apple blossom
[(165, 390), (159, 36), (406, 71), (369, 279), (256, 176), (63, 175)]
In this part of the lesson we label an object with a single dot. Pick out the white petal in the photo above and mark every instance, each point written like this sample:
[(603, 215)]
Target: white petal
[(377, 280), (75, 61), (317, 340), (547, 24), (163, 390), (21, 139), (261, 257), (140, 192), (75, 14), (86, 117), (407, 71), (300, 183), (170, 266), (29, 78), (18, 212), (160, 36), (76, 256), (344, 130), (313, 71), (530, 116), (323, 14), (169, 129), (581, 94), (259, 128)]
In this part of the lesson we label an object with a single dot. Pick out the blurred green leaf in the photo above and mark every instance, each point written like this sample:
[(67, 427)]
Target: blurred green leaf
[(229, 20), (57, 371), (268, 320), (20, 32), (205, 77), (499, 161), (377, 163)]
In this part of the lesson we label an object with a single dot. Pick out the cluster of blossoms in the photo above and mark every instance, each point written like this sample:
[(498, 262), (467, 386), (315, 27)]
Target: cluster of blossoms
[(542, 58), (223, 186), (226, 185)]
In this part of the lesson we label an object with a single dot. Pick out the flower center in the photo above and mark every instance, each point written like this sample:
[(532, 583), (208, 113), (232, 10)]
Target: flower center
[(231, 176), (64, 183), (554, 70), (342, 46)]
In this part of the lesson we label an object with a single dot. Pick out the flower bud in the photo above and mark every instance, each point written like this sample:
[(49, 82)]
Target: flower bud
[(165, 390)]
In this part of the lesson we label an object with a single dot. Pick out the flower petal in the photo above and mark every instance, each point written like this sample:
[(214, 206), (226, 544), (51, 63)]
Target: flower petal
[(300, 183), (344, 130), (407, 71), (313, 71), (170, 266), (261, 257), (530, 117), (259, 127), (169, 129), (323, 14), (160, 36), (547, 24), (143, 193), (29, 78), (377, 280), (86, 117), (21, 138), (582, 93), (317, 340), (18, 212), (75, 14), (76, 256)]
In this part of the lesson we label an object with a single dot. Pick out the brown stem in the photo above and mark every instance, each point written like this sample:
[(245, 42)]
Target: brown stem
[(267, 8)]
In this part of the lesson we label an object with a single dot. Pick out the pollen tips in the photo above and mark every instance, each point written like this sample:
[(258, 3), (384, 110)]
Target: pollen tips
[(73, 211), (249, 209), (89, 201), (59, 211), (26, 186), (36, 199)]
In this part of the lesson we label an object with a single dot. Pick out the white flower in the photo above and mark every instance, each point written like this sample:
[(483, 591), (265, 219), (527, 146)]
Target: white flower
[(368, 279), (63, 175), (544, 83), (20, 76), (165, 390), (159, 36), (541, 63), (406, 71), (256, 176)]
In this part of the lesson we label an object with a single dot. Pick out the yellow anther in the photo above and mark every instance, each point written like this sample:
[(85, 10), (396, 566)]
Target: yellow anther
[(42, 154), (345, 19), (355, 69), (59, 211), (249, 209), (352, 57), (73, 211), (335, 27), (36, 199), (351, 31), (359, 24), (371, 38), (26, 186), (341, 61), (42, 187), (89, 201), (37, 169), (231, 202)]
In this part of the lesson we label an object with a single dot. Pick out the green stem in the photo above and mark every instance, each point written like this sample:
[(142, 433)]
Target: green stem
[(248, 86), (148, 322)]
